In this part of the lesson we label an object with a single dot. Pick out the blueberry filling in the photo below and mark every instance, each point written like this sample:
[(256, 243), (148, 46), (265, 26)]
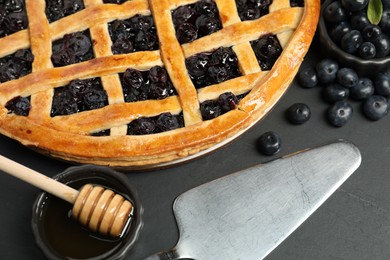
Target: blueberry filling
[(135, 34), (114, 1), (211, 109), (57, 9), (19, 105), (78, 96), (105, 132), (151, 125), (212, 68), (142, 85), (267, 50), (252, 9), (196, 20), (72, 48), (13, 17), (297, 3), (16, 65)]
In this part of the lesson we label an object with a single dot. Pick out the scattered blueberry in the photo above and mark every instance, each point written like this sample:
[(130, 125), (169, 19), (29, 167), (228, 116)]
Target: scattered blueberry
[(19, 105), (269, 143), (347, 77), (308, 77), (363, 90), (375, 107), (382, 84), (327, 71), (340, 113), (335, 92), (298, 113)]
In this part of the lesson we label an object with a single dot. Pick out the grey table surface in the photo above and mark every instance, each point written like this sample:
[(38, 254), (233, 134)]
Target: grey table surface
[(354, 223)]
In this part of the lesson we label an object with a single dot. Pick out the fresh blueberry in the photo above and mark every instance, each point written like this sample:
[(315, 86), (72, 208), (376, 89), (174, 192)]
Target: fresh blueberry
[(375, 107), (382, 45), (351, 41), (338, 30), (367, 50), (298, 113), (382, 84), (359, 20), (340, 113), (385, 20), (308, 77), (370, 32), (269, 143), (327, 71), (335, 92), (354, 5), (335, 12), (363, 90), (347, 77)]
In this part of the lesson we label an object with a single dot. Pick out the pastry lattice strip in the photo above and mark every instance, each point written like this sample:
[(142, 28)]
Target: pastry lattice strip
[(41, 82)]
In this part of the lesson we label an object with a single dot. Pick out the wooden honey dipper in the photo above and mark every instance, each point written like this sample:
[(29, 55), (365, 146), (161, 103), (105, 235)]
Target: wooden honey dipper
[(99, 209)]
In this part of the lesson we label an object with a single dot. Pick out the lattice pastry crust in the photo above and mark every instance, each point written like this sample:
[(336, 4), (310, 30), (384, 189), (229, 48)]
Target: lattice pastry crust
[(69, 136)]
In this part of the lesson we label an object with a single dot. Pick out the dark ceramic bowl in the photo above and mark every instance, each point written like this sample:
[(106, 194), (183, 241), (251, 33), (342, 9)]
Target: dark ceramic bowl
[(61, 237), (362, 66)]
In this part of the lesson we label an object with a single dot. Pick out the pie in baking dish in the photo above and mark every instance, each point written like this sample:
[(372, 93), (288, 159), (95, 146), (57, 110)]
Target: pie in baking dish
[(142, 83)]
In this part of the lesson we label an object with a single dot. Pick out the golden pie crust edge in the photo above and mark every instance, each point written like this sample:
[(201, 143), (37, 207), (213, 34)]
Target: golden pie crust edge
[(152, 150)]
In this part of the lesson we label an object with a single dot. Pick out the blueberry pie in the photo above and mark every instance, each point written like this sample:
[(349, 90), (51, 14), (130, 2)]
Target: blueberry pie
[(142, 83)]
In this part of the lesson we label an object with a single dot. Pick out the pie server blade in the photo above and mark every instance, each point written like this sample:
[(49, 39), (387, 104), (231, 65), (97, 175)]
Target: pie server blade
[(247, 214)]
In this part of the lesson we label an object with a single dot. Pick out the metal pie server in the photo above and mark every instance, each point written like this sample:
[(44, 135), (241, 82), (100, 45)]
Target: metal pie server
[(247, 214)]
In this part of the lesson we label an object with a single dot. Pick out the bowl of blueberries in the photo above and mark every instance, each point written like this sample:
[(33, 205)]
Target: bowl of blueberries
[(357, 34)]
